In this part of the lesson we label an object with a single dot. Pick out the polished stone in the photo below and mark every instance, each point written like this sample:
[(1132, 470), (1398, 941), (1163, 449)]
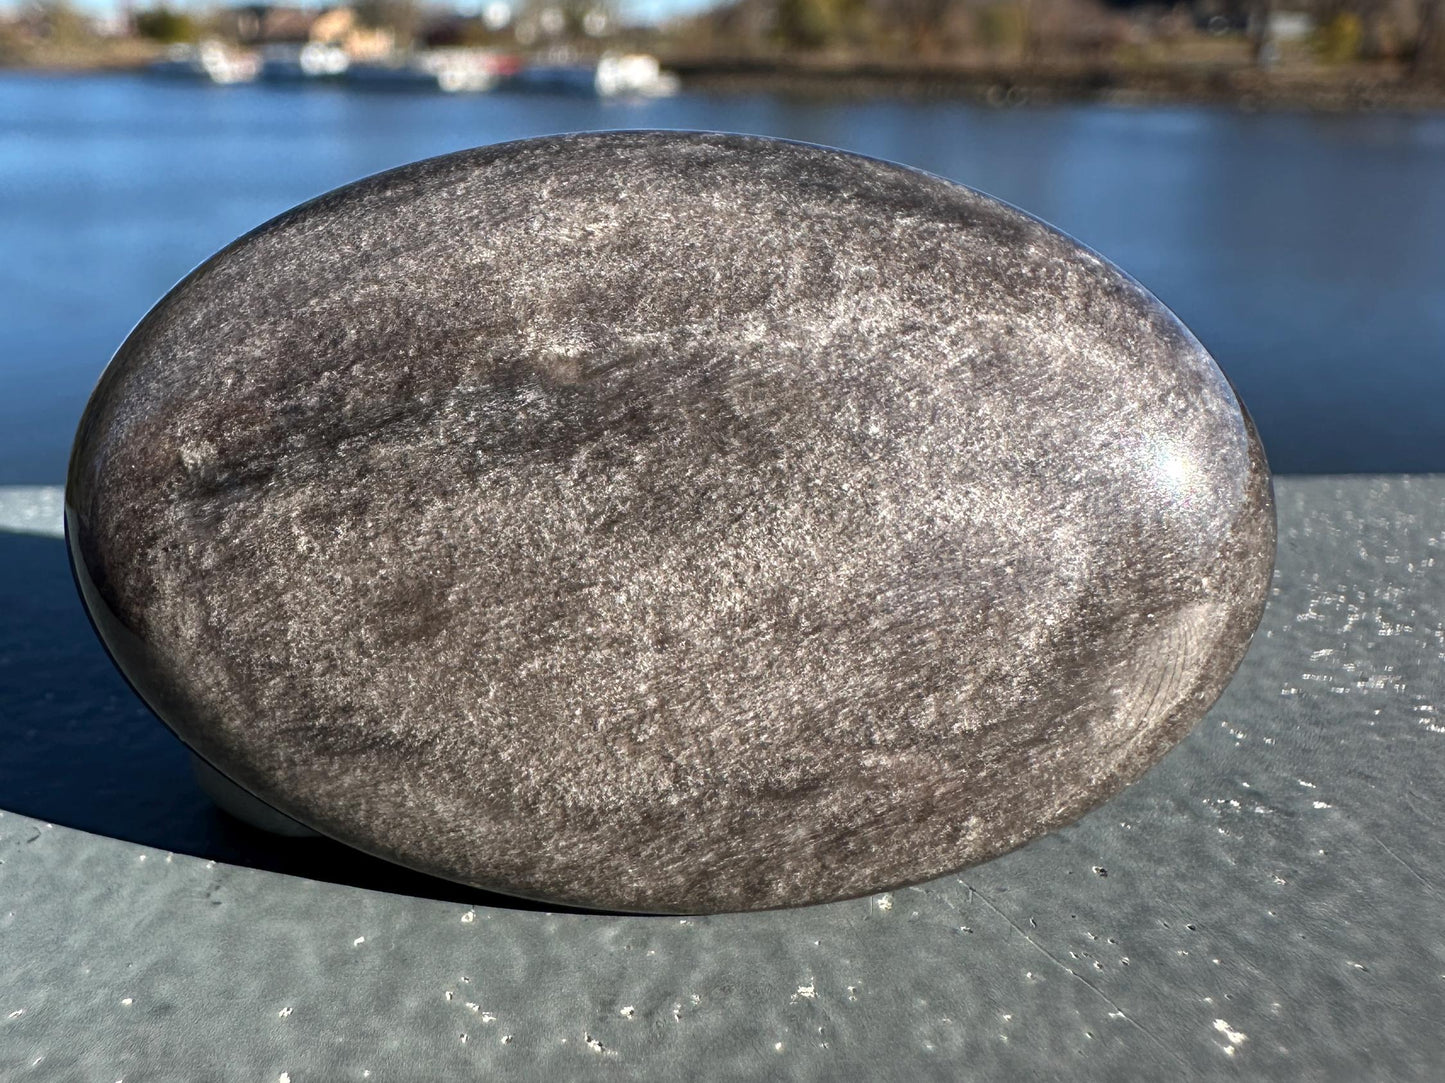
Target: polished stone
[(677, 522)]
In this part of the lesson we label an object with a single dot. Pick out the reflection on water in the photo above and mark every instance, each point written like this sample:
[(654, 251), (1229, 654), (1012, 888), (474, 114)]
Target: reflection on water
[(1308, 253)]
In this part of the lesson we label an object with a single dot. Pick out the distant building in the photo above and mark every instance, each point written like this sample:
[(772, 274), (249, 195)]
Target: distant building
[(272, 24), (275, 24)]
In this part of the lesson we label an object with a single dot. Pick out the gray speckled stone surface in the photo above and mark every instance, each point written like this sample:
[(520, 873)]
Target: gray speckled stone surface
[(1271, 910), (653, 521)]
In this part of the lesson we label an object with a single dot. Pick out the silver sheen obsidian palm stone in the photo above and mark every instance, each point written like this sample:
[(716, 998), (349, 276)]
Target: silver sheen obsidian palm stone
[(670, 521)]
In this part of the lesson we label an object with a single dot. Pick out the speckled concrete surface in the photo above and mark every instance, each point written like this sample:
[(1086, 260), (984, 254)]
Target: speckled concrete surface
[(1266, 903)]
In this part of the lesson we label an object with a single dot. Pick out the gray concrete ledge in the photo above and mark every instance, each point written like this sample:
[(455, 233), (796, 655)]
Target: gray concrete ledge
[(1267, 903)]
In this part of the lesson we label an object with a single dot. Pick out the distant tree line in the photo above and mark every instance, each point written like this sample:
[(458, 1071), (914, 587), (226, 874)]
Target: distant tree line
[(165, 25), (1344, 30)]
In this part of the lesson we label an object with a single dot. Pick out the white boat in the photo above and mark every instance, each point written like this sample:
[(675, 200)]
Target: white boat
[(452, 71), (296, 63), (614, 75), (633, 74), (210, 60)]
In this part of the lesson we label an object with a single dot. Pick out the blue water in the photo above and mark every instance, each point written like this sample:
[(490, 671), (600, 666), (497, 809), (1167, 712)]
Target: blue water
[(1307, 252)]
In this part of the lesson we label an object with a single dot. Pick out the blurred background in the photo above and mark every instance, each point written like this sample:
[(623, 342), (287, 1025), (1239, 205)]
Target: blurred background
[(1273, 169)]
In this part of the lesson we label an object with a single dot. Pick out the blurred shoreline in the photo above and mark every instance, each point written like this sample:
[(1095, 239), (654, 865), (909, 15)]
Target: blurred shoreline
[(113, 55), (1357, 88)]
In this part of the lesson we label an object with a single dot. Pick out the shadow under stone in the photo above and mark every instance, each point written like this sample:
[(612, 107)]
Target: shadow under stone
[(79, 749)]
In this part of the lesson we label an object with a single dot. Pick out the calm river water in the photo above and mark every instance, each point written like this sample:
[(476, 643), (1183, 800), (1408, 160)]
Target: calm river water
[(1307, 252)]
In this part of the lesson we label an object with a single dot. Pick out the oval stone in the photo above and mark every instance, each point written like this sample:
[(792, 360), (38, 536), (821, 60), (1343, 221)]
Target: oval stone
[(670, 521)]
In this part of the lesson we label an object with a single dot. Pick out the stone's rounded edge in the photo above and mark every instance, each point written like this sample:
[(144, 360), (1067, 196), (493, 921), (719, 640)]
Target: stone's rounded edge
[(1259, 463), (131, 661), (244, 805), (159, 697)]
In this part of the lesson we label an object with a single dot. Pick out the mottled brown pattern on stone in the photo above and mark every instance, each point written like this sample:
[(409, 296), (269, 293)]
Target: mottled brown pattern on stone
[(669, 521)]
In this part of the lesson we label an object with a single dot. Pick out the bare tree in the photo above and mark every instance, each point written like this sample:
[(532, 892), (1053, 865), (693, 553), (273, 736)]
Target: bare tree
[(402, 17), (1426, 60), (921, 22), (1261, 15)]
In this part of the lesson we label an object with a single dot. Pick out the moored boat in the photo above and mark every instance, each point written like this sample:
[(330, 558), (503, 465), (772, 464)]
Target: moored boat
[(613, 75), (299, 63), (208, 60), (452, 71)]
